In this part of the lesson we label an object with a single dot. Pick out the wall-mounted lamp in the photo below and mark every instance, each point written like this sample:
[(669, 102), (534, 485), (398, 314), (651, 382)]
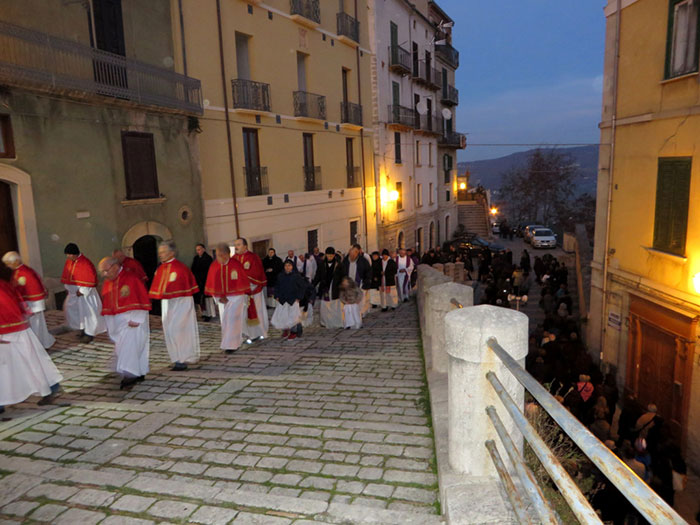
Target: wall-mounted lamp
[(696, 282), (462, 185)]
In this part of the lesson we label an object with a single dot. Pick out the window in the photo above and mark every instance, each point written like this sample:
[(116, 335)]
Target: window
[(242, 61), (311, 240), (7, 147), (682, 39), (419, 240), (397, 147), (353, 232), (430, 193), (447, 225), (399, 201), (345, 84), (140, 165), (301, 71), (447, 195), (419, 195), (414, 49), (255, 176), (430, 154), (418, 153), (672, 196), (447, 167), (312, 175)]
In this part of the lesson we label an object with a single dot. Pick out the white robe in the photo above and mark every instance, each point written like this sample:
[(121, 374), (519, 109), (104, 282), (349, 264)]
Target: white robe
[(259, 329), (83, 313), (389, 297), (131, 343), (180, 329), (310, 271), (286, 316), (25, 368), (331, 314), (233, 316), (209, 309), (403, 280), (352, 318), (38, 323)]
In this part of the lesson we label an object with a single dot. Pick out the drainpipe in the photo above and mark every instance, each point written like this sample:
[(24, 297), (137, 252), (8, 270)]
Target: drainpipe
[(362, 143), (228, 121), (182, 38), (611, 166)]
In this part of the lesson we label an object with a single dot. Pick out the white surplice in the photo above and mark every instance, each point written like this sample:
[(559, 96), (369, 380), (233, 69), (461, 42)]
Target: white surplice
[(261, 327), (233, 317), (83, 313), (331, 314), (38, 323), (25, 368), (352, 318), (180, 329), (403, 280), (286, 316), (131, 343)]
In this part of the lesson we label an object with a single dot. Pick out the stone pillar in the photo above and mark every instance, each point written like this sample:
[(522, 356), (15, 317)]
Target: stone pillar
[(459, 272), (430, 278), (469, 392), (439, 267), (450, 270), (438, 306)]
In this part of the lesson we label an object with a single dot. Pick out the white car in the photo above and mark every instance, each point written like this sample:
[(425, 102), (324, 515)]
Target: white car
[(543, 238), (495, 228), (527, 237)]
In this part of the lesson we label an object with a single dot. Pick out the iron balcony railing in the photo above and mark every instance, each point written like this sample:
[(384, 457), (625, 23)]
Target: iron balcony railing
[(354, 180), (448, 53), (452, 139), (312, 178), (424, 73), (255, 181), (402, 116), (638, 493), (248, 94), (430, 124), (450, 96), (309, 105), (33, 59), (399, 60), (309, 9), (349, 27), (351, 113)]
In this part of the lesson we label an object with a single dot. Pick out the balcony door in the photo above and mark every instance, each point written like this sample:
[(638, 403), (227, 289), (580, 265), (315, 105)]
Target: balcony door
[(251, 154), (309, 173), (345, 87), (109, 36), (8, 232)]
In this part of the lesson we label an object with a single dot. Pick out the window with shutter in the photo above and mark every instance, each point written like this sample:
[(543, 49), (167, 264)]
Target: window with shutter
[(672, 198), (140, 166), (682, 38)]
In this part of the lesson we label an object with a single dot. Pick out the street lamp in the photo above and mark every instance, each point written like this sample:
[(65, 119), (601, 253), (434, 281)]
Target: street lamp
[(494, 210), (696, 282), (518, 299)]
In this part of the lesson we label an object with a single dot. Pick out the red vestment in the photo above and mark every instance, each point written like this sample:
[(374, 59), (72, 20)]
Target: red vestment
[(173, 279), (80, 272), (253, 268), (226, 279), (127, 292), (28, 283), (13, 315), (134, 266)]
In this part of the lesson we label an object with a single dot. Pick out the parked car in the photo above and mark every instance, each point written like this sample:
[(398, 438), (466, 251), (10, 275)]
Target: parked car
[(543, 238), (527, 231), (495, 228), (477, 246)]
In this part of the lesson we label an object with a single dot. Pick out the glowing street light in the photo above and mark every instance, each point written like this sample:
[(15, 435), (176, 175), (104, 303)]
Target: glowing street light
[(494, 210), (389, 195), (462, 185), (696, 282)]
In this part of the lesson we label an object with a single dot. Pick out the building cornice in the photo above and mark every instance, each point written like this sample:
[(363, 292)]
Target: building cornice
[(611, 8)]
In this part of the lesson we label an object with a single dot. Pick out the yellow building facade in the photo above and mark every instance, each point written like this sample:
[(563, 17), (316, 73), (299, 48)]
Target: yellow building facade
[(645, 296), (286, 138)]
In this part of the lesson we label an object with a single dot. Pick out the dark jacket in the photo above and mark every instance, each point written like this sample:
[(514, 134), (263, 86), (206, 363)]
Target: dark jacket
[(273, 267), (328, 278), (363, 277), (200, 269), (290, 287), (389, 273)]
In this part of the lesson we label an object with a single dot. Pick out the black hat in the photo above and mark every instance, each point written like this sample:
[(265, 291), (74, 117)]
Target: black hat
[(330, 250), (71, 249), (385, 252)]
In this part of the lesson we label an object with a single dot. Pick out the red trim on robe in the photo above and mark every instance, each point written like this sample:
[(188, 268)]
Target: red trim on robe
[(173, 279), (28, 283), (254, 270), (127, 292), (227, 279), (13, 311), (80, 272), (134, 266)]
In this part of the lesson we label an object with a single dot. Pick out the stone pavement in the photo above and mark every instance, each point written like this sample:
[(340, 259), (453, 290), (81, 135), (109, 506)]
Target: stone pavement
[(329, 428)]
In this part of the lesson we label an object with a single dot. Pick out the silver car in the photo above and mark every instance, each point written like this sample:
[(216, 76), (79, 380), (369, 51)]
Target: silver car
[(527, 237), (543, 238)]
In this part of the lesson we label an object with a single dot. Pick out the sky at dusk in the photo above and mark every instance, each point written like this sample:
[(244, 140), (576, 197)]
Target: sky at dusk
[(530, 72)]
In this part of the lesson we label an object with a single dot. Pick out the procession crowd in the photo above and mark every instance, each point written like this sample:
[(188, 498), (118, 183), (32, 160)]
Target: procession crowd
[(237, 288)]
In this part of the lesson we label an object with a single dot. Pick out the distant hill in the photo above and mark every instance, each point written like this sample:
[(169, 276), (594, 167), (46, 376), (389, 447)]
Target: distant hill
[(489, 172)]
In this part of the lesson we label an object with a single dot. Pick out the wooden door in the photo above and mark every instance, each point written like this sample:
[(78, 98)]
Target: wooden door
[(260, 248), (8, 231)]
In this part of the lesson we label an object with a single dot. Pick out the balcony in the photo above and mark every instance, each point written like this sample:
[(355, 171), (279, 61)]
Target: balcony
[(429, 124), (34, 60), (399, 60), (250, 95), (424, 73), (448, 54), (351, 113), (451, 139), (401, 116), (450, 96), (255, 181), (312, 178), (305, 12), (309, 106), (348, 30), (354, 179)]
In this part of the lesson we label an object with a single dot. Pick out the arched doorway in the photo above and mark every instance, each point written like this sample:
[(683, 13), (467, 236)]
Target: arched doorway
[(8, 230), (145, 251), (400, 242), (431, 236)]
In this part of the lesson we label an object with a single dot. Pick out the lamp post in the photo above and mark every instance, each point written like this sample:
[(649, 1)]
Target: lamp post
[(518, 299)]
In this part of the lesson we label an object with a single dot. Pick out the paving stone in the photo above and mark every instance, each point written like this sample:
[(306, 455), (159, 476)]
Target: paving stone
[(285, 491), (414, 494), (184, 467), (286, 479), (93, 498), (336, 470), (82, 516), (146, 426), (317, 483), (32, 437), (19, 508), (256, 476), (172, 509), (223, 472), (125, 520), (106, 451), (352, 487), (272, 463), (130, 503), (247, 518), (310, 467), (406, 464), (47, 512), (15, 485), (52, 491), (53, 453), (379, 490), (208, 515), (403, 476)]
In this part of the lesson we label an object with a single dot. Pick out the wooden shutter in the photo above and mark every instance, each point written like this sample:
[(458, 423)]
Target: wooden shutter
[(140, 166), (672, 197)]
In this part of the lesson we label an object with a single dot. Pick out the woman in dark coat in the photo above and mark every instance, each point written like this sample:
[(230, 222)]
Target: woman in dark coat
[(290, 291), (273, 267), (200, 268)]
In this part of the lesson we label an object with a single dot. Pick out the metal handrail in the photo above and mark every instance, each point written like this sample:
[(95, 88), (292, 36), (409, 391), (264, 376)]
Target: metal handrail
[(456, 303), (399, 58), (309, 9), (248, 94), (351, 113), (516, 501), (348, 26), (309, 105), (638, 493), (255, 180)]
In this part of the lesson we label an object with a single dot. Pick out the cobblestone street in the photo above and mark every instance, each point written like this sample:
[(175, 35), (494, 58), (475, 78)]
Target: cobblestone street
[(329, 428)]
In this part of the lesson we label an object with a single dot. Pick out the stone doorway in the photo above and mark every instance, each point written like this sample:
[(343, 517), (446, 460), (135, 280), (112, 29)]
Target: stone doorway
[(8, 230)]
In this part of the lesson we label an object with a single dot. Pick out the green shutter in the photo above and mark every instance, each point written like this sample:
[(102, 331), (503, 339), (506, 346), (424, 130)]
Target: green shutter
[(672, 198)]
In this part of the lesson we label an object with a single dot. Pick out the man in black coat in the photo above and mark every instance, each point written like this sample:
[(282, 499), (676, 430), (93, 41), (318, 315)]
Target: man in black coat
[(384, 270), (357, 268), (273, 267), (200, 268)]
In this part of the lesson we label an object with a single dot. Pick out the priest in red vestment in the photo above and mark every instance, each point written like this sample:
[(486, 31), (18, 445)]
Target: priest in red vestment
[(174, 284), (257, 319), (125, 307), (228, 285), (25, 367), (131, 264), (30, 287), (82, 305)]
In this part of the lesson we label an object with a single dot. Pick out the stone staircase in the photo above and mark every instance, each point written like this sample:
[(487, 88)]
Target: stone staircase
[(472, 215)]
